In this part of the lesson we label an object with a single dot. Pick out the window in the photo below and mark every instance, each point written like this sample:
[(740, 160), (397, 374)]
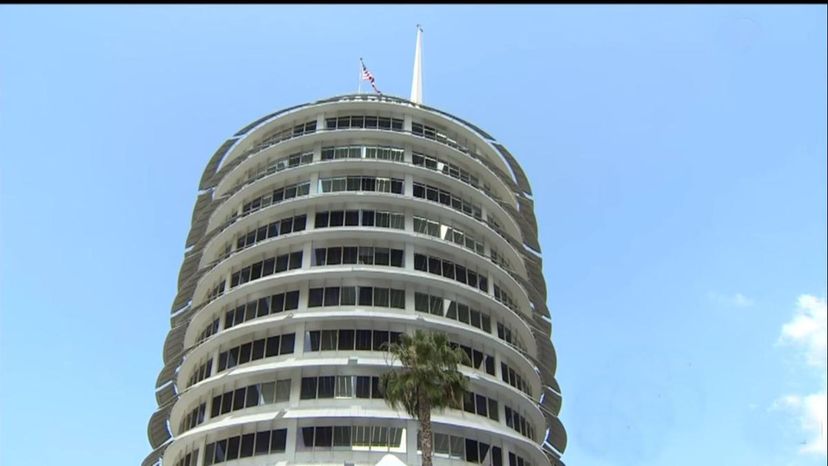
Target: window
[(278, 195), (357, 152), (448, 233), (361, 183), (448, 269), (380, 438), (342, 436), (247, 442), (259, 443), (358, 255), (282, 390), (278, 440), (308, 390), (346, 296), (344, 387), (364, 121), (244, 353), (435, 194), (282, 263), (272, 230)]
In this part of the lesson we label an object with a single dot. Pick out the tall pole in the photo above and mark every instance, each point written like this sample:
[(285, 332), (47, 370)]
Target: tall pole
[(359, 80), (417, 79)]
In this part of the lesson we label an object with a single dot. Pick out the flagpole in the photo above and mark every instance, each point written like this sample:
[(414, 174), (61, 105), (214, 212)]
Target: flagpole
[(359, 82)]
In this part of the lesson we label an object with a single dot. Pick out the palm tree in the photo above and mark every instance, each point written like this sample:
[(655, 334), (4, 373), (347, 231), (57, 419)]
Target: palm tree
[(427, 380)]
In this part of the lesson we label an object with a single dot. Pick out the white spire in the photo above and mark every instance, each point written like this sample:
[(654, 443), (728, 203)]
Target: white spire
[(417, 79)]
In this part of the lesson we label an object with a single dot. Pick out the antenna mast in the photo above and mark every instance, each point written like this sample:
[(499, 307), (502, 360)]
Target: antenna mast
[(417, 79)]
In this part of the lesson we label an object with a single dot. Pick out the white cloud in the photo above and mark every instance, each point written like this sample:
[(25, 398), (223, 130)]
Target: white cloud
[(734, 300), (807, 332)]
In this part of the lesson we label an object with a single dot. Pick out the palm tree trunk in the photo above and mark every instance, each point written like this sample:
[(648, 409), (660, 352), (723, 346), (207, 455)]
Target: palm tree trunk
[(425, 430)]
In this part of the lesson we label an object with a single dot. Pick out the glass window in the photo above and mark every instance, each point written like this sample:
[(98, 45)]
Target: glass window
[(363, 387), (209, 451), (381, 256), (324, 437), (349, 255), (278, 302), (252, 396), (436, 305), (258, 349), (367, 218), (299, 222), (281, 263), (307, 436), (272, 347), (363, 340), (268, 392), (278, 440), (375, 388), (471, 451), (239, 315), (380, 340), (344, 387), (286, 226), (336, 219), (346, 340), (282, 390), (292, 300), (226, 402), (263, 443), (288, 341), (366, 296), (264, 307), (457, 447), (421, 302), (366, 255), (321, 220), (398, 299), (326, 387), (381, 297), (434, 265), (342, 436), (221, 448), (332, 296), (244, 354), (487, 323), (215, 406), (493, 411), (334, 256), (238, 399), (379, 437), (329, 340), (315, 297), (441, 444), (361, 436), (351, 218), (348, 296), (448, 269), (233, 448), (396, 257), (233, 357), (296, 260), (308, 390), (481, 405)]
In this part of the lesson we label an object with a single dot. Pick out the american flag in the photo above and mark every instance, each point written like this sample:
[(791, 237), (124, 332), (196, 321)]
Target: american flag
[(367, 76)]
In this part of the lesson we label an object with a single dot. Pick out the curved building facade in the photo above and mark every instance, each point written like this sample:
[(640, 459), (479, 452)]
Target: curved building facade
[(322, 232)]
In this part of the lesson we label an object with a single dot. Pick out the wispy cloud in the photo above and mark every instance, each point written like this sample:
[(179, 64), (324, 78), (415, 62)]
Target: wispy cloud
[(807, 333), (731, 300)]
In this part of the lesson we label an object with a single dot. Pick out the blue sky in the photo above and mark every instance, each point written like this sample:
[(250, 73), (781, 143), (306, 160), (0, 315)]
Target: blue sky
[(677, 156)]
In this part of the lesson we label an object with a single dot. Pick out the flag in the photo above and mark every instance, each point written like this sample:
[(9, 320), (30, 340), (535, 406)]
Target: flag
[(367, 76)]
